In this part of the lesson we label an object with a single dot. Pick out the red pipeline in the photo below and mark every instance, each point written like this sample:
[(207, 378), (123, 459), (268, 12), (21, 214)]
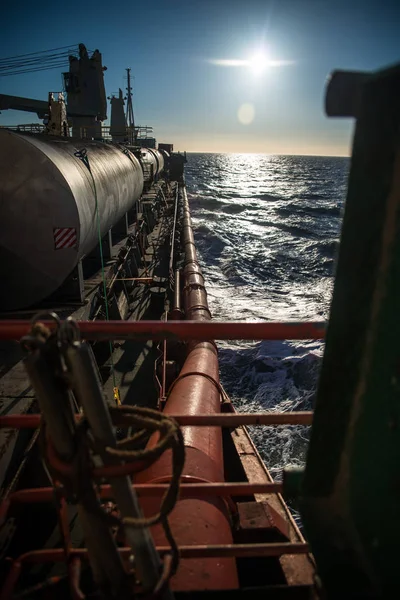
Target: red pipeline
[(196, 391)]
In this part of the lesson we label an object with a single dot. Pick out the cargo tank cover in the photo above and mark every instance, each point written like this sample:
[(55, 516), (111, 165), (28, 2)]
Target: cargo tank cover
[(48, 218)]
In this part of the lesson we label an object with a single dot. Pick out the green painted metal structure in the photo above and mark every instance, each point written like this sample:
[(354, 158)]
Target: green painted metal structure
[(350, 493)]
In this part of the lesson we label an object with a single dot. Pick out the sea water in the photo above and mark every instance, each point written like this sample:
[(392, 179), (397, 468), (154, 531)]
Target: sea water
[(267, 231)]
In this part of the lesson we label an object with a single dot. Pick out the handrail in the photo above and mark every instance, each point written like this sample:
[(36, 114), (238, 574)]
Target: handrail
[(182, 330), (214, 420), (216, 551), (186, 490), (171, 258)]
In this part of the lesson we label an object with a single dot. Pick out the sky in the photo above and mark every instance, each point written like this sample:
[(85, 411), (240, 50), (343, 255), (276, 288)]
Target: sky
[(174, 48)]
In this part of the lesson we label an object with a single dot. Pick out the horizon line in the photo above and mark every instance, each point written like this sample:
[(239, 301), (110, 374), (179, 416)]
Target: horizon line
[(267, 153)]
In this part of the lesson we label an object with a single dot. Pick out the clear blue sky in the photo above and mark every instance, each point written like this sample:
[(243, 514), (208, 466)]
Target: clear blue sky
[(194, 103)]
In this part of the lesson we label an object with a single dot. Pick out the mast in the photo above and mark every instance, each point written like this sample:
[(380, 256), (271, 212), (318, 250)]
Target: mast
[(130, 120)]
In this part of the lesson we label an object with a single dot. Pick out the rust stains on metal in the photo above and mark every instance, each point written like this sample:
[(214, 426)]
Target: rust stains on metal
[(200, 420), (258, 521), (201, 330), (186, 552), (298, 570), (186, 490)]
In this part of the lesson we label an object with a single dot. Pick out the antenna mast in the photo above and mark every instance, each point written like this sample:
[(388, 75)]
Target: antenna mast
[(130, 121)]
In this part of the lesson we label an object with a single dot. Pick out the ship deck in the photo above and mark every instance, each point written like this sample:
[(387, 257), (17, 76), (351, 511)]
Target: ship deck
[(132, 368)]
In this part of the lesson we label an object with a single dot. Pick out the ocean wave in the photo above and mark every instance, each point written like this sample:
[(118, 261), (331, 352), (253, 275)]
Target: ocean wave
[(297, 230), (233, 209), (311, 196), (267, 232), (267, 197), (307, 210)]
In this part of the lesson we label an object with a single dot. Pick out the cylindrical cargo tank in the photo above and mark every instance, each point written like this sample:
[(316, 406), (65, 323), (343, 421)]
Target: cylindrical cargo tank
[(48, 219), (149, 164), (153, 163), (159, 159), (165, 155)]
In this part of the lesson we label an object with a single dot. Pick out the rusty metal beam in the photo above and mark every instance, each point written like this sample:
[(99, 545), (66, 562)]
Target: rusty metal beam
[(182, 330), (216, 420), (238, 550), (236, 420), (215, 551), (186, 490), (196, 552)]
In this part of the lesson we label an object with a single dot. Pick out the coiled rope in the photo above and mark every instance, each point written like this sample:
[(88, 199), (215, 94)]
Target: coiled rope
[(77, 486)]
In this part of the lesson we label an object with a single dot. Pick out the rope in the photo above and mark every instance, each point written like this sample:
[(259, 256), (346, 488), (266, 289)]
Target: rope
[(79, 483), (171, 436), (80, 486), (147, 418), (83, 156)]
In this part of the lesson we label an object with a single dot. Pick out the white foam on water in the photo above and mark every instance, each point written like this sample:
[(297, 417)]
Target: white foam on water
[(266, 230)]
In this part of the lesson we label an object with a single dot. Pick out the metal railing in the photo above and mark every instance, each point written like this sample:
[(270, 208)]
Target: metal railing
[(164, 330), (183, 330)]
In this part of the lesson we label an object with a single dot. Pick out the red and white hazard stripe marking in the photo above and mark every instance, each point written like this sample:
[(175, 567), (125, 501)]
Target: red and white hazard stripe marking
[(64, 237)]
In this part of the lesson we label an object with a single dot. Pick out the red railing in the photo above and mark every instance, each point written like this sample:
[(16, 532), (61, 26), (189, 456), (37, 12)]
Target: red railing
[(218, 420), (160, 330), (182, 330)]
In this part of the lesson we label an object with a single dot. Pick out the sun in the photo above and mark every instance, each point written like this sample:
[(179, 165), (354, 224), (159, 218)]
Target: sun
[(258, 63)]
